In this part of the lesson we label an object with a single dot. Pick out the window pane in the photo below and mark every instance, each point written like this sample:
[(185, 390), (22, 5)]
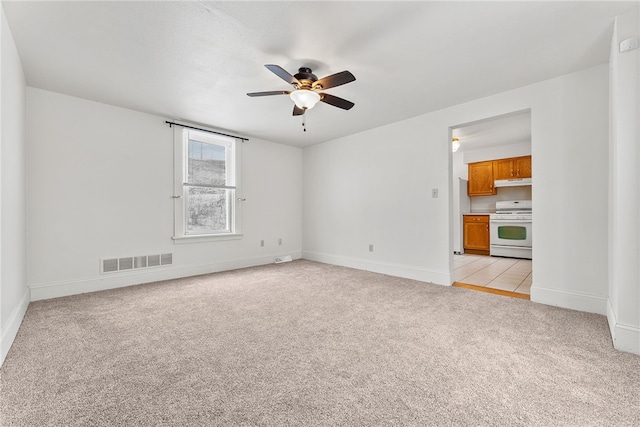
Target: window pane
[(206, 163), (208, 210)]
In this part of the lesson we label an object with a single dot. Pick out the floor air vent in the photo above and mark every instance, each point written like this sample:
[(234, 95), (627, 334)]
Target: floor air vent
[(281, 259), (113, 265)]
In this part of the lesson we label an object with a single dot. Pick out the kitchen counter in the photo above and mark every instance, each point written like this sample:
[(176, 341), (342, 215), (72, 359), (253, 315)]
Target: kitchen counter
[(478, 213)]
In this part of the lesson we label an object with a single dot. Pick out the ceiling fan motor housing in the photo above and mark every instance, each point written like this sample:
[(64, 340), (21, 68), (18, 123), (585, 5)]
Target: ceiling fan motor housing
[(305, 77)]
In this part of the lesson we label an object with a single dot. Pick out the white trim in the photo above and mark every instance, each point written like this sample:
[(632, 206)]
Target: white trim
[(201, 238), (42, 291), (439, 277), (624, 337), (10, 329), (569, 299)]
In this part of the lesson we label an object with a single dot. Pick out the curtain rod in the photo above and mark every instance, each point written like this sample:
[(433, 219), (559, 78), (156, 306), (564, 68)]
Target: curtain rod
[(205, 130)]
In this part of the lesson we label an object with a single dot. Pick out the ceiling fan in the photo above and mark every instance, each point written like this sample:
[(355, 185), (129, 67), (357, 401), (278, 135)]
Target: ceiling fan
[(307, 87)]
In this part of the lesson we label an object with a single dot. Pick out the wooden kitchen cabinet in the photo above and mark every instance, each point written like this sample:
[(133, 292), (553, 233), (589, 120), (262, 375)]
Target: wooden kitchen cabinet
[(503, 169), (481, 179), (523, 166), (476, 234), (516, 167)]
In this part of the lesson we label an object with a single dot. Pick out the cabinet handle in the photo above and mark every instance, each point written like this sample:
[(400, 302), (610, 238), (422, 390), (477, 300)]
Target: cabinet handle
[(511, 172)]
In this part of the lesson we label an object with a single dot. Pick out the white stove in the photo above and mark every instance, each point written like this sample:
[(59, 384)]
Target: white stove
[(510, 229), (512, 215), (514, 207)]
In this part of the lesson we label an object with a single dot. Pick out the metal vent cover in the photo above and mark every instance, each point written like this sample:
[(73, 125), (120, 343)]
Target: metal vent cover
[(125, 263), (109, 265), (140, 262), (113, 265), (166, 259), (153, 260)]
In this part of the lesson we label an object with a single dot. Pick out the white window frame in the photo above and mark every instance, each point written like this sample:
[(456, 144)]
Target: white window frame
[(181, 136)]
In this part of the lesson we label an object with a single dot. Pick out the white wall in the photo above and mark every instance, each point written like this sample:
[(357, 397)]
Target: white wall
[(100, 186), (624, 179), (375, 187), (459, 167), (501, 152), (14, 294)]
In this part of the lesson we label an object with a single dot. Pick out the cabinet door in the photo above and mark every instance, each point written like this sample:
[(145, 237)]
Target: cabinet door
[(481, 179), (503, 169), (522, 167), (476, 233)]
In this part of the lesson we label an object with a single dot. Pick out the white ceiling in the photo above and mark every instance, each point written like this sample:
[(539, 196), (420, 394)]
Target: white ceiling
[(514, 128), (196, 60)]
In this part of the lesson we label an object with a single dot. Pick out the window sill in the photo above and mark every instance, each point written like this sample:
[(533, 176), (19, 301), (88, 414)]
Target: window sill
[(205, 238)]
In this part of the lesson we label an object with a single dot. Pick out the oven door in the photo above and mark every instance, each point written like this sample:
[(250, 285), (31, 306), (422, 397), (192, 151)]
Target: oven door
[(510, 237)]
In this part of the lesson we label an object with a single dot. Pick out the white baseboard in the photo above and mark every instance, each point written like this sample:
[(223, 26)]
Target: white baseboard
[(625, 337), (409, 272), (103, 282), (10, 330), (569, 299)]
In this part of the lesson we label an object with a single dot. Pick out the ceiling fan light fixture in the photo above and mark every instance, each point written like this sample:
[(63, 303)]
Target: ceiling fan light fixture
[(305, 98)]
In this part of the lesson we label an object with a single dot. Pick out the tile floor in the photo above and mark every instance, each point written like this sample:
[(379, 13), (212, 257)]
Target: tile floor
[(507, 274)]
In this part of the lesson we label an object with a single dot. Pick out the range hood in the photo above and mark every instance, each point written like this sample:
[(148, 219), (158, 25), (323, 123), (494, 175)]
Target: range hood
[(513, 182)]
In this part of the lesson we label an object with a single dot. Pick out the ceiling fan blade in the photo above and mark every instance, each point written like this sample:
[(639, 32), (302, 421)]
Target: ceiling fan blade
[(282, 73), (334, 80), (273, 92), (336, 101), (297, 111)]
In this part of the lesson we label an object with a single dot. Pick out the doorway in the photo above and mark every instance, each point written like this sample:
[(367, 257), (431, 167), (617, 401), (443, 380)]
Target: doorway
[(487, 144)]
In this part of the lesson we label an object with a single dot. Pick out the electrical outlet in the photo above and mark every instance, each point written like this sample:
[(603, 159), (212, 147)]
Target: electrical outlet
[(370, 248), (279, 241), (262, 243), (434, 193), (628, 44)]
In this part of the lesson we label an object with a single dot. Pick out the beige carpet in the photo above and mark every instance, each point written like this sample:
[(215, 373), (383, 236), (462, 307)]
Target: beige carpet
[(309, 344)]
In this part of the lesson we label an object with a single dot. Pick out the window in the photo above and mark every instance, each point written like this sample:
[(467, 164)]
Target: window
[(206, 185)]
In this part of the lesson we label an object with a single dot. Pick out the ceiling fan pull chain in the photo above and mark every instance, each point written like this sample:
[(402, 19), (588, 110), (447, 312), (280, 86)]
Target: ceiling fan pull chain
[(304, 121)]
